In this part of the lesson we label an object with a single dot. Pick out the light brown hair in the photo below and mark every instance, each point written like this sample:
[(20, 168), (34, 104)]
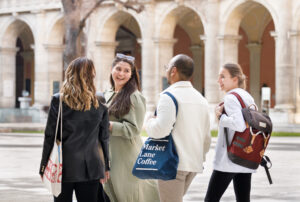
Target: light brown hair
[(235, 70), (79, 91)]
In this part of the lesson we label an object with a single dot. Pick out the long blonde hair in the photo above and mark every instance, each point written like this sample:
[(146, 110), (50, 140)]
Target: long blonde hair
[(79, 91)]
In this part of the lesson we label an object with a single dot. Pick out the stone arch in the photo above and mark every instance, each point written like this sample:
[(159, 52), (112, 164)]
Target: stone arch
[(296, 20), (249, 19), (236, 12), (8, 29), (13, 30), (56, 31), (17, 57), (108, 30), (171, 14), (106, 42), (178, 23)]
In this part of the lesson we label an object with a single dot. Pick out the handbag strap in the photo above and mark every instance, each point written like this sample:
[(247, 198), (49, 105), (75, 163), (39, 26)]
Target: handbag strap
[(176, 106), (174, 100), (59, 116)]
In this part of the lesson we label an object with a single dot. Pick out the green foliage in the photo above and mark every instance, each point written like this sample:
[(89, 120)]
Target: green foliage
[(286, 134), (144, 133), (214, 133)]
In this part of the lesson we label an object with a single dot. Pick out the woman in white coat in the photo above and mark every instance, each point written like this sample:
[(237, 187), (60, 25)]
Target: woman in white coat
[(231, 79)]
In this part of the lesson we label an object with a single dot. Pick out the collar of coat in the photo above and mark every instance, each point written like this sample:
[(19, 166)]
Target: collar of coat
[(109, 94), (179, 84)]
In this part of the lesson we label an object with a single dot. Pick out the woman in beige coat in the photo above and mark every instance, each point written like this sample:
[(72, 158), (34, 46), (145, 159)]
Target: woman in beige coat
[(127, 109)]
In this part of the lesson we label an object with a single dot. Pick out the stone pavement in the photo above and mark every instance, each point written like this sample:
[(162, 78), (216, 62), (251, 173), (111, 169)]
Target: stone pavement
[(284, 153), (10, 127), (20, 157)]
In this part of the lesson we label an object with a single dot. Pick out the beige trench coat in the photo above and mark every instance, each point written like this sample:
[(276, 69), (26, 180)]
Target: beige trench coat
[(125, 145)]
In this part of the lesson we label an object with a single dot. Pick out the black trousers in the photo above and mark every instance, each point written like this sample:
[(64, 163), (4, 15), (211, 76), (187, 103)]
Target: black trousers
[(102, 196), (219, 182), (84, 191)]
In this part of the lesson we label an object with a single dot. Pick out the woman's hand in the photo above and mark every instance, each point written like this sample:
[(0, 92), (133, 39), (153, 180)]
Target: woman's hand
[(219, 110), (106, 177), (110, 126)]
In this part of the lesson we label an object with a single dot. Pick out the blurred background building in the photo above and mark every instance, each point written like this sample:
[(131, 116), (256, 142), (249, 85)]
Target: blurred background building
[(261, 35)]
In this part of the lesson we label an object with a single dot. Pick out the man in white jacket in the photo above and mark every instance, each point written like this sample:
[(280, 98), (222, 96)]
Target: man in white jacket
[(191, 131)]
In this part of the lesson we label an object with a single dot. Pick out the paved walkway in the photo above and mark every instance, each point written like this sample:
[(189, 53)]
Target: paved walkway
[(10, 127), (20, 157)]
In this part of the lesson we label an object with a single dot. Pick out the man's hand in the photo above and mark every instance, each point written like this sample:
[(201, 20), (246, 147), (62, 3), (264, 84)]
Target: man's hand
[(149, 116)]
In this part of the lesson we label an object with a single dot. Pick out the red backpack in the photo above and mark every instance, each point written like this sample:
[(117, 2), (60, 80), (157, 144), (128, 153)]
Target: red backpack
[(248, 147)]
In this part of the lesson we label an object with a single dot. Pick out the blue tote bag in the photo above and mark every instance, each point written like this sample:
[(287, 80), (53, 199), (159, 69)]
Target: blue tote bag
[(158, 158)]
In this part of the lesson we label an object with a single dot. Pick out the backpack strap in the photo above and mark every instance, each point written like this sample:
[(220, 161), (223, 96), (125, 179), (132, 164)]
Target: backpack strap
[(243, 106), (267, 164), (239, 98)]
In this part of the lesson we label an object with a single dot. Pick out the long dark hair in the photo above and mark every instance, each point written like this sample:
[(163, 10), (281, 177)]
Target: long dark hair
[(121, 103)]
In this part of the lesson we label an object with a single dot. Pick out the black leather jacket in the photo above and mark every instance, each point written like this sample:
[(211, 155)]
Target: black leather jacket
[(82, 132)]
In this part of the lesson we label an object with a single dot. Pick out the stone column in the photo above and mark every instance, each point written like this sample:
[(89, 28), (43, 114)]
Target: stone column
[(103, 57), (284, 97), (197, 52), (228, 51), (149, 74), (295, 41), (41, 82), (28, 57), (285, 69), (4, 3), (55, 66), (255, 53), (149, 65), (8, 77), (212, 64), (164, 53), (229, 47), (212, 57)]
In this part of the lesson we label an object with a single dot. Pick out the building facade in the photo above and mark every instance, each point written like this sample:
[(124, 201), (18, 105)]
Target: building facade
[(261, 35)]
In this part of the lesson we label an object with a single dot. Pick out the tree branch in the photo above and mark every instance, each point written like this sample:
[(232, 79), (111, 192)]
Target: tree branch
[(129, 5), (70, 6), (82, 22)]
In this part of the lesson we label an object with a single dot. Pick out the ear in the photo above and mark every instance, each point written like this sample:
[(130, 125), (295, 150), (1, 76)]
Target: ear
[(235, 79), (174, 70)]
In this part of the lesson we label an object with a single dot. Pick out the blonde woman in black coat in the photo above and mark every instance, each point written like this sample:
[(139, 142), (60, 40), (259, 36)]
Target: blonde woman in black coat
[(85, 126)]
